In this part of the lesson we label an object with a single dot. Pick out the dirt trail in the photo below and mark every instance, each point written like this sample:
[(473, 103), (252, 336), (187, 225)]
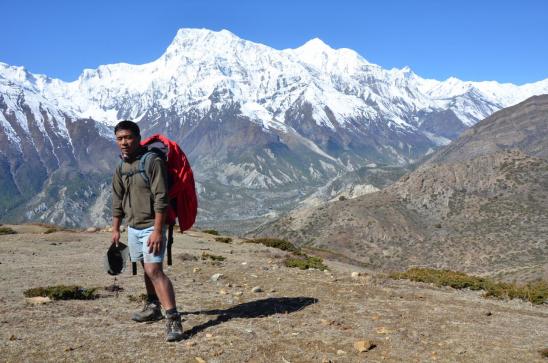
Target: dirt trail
[(301, 316)]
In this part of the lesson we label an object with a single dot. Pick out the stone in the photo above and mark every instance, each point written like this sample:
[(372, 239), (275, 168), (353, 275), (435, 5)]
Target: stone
[(257, 289), (238, 293), (92, 229), (38, 300), (223, 292), (364, 345), (200, 360), (384, 330), (216, 277), (341, 352), (355, 274), (196, 269)]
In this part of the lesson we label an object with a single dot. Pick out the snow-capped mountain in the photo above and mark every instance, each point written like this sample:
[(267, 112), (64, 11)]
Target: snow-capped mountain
[(251, 118)]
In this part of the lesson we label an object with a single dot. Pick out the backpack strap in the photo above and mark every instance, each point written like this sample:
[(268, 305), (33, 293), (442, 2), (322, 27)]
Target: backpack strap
[(144, 166), (169, 243)]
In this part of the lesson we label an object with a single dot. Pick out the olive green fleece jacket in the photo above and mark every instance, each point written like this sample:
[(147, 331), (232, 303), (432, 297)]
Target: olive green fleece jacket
[(133, 199)]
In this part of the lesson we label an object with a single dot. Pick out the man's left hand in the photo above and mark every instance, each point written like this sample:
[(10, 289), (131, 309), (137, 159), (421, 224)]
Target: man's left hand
[(154, 242)]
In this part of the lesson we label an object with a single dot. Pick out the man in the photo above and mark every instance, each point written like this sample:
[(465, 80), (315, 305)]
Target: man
[(143, 205)]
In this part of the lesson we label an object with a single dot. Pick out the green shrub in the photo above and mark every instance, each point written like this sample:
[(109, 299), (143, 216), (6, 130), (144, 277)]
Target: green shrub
[(62, 292), (51, 230), (139, 298), (211, 231), (223, 239), (305, 262), (276, 243), (6, 230), (535, 292), (207, 256), (187, 257)]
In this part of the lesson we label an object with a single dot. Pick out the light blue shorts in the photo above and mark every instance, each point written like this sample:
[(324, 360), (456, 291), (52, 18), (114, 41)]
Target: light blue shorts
[(138, 249)]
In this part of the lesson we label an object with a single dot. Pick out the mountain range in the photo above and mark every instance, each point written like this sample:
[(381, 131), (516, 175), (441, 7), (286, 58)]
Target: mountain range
[(263, 128), (476, 205)]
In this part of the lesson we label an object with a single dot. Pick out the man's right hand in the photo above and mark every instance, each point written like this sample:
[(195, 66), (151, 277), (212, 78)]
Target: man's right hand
[(115, 237)]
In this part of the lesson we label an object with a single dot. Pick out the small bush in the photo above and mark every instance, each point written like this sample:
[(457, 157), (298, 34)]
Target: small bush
[(342, 198), (139, 298), (187, 257), (6, 230), (207, 256), (276, 243), (544, 353), (306, 262), (535, 292), (62, 292), (211, 231), (51, 230), (223, 239)]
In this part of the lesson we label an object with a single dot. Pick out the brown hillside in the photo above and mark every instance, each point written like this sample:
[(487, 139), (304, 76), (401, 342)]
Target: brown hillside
[(479, 205)]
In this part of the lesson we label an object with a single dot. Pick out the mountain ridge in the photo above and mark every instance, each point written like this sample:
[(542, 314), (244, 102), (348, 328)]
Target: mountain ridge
[(478, 205), (253, 120)]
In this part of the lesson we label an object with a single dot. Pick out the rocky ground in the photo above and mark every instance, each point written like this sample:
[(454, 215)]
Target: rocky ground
[(298, 316)]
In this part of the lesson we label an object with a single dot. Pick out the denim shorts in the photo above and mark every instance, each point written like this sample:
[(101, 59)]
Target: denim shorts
[(138, 249)]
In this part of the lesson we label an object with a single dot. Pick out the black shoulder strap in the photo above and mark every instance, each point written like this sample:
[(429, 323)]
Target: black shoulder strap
[(144, 166)]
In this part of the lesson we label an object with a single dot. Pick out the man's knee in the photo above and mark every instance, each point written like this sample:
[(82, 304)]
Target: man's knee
[(153, 270)]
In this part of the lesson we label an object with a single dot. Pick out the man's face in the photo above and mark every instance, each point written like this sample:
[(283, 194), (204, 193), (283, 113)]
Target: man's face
[(127, 142)]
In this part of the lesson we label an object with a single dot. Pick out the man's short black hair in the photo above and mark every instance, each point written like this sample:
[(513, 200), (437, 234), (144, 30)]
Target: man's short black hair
[(128, 125)]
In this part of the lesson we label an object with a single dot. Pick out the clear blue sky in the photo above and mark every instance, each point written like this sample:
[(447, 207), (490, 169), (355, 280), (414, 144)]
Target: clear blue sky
[(475, 40)]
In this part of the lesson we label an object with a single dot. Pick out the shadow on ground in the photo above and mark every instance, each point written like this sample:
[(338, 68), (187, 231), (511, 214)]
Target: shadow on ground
[(252, 309)]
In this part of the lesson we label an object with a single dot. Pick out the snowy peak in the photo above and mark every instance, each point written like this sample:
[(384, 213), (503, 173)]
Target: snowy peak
[(315, 46), (201, 68), (326, 59)]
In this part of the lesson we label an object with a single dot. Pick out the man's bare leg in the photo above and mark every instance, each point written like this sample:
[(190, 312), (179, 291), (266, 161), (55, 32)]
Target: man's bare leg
[(159, 283), (148, 283)]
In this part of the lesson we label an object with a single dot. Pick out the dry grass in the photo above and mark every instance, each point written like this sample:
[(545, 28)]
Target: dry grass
[(223, 239), (281, 244), (63, 292), (305, 262), (536, 292), (6, 230), (211, 231), (208, 256)]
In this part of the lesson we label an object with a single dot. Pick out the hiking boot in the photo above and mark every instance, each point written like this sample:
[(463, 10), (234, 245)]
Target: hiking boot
[(151, 312), (174, 328)]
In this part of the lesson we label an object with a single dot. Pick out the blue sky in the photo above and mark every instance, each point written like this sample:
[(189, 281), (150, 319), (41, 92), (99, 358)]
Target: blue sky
[(506, 41)]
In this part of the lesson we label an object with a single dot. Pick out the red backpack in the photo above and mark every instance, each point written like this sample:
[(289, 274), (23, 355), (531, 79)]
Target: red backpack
[(183, 203)]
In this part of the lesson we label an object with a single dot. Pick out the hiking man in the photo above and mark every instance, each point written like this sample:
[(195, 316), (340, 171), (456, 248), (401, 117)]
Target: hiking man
[(143, 205)]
